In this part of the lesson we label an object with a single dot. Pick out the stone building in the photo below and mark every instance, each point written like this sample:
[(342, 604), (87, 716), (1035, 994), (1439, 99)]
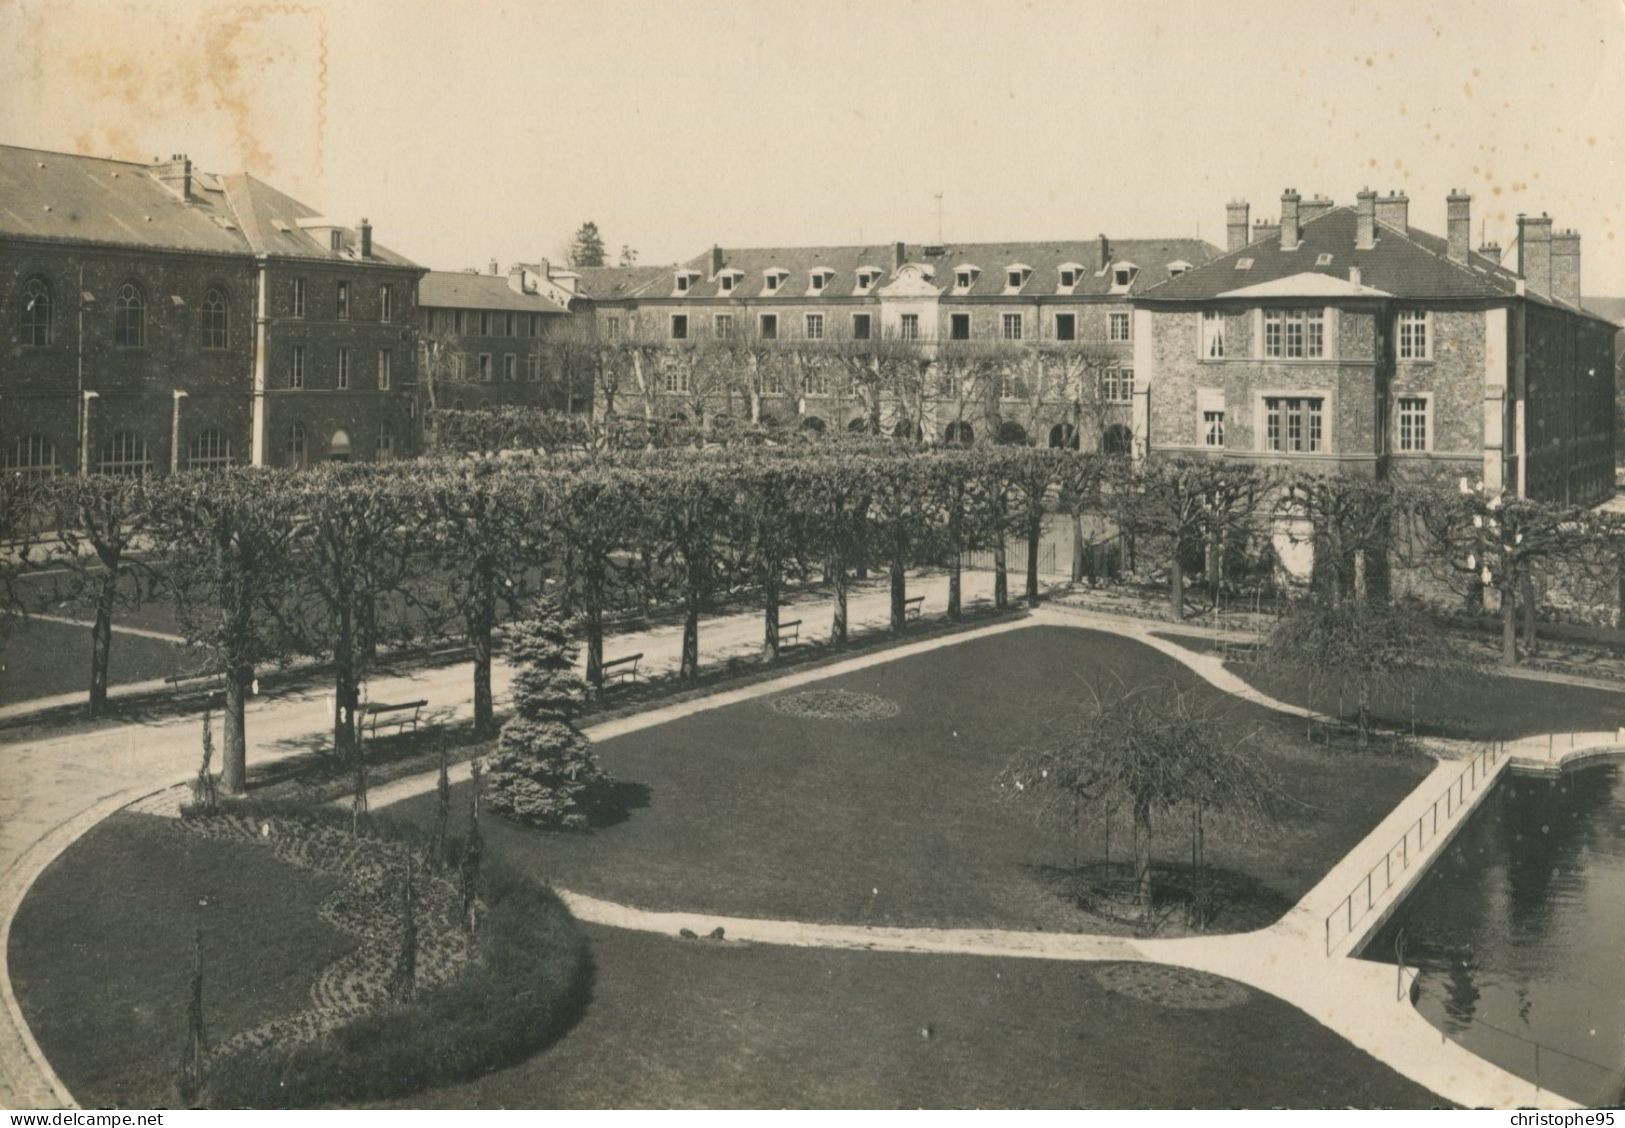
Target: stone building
[(1346, 338), (1027, 341), (162, 318), (489, 339)]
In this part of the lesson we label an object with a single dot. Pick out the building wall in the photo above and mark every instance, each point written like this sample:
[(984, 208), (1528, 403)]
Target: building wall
[(39, 386), (543, 386), (1568, 361)]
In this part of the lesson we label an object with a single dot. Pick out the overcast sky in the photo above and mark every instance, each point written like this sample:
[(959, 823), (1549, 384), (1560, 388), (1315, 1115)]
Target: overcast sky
[(477, 129)]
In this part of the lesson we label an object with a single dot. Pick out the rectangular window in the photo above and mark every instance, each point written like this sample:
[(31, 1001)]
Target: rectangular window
[(769, 324), (485, 368), (908, 326), (457, 322), (679, 326), (512, 326), (1295, 334), (296, 367), (343, 301), (959, 326), (1293, 423), (1413, 423), (612, 328), (677, 378), (815, 382), (725, 283), (344, 369), (815, 327), (535, 325), (386, 302), (1213, 428), (1119, 328), (1012, 386), (533, 369), (1066, 327), (510, 368), (682, 283), (723, 325), (299, 297), (1413, 334), (1069, 278), (1011, 326), (386, 364), (485, 323), (1212, 334), (860, 326), (1118, 385)]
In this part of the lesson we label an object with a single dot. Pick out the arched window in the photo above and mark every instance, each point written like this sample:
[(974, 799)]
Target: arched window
[(1116, 439), (908, 430), (386, 441), (209, 451), (213, 318), (1012, 433), (130, 317), (959, 433), (124, 456), (1063, 436), (36, 313), (812, 423), (298, 451), (858, 426), (32, 454)]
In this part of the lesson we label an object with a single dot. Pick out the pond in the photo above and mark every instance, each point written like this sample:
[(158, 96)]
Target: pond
[(1517, 932)]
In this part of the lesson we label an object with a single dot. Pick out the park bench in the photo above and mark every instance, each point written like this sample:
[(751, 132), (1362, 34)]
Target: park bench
[(621, 669), (790, 632), (378, 714), (211, 681), (912, 605)]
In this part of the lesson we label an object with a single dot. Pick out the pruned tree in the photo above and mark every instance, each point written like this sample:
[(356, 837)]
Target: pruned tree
[(1190, 505), (591, 516), (766, 529), (24, 521), (834, 494), (1348, 520), (686, 508), (902, 522), (1034, 476)]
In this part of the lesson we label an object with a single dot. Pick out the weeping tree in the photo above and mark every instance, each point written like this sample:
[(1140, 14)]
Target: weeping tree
[(1152, 752), (543, 771)]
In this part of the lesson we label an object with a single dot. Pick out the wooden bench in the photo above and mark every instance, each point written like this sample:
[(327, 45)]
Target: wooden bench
[(378, 714), (912, 605), (790, 633), (213, 681), (621, 669)]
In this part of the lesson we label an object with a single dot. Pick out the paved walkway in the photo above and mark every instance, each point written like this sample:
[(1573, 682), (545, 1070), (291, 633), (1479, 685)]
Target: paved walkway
[(57, 801)]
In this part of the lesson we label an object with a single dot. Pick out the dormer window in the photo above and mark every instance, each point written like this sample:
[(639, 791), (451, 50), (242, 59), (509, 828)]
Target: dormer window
[(685, 279), (725, 283), (1015, 277), (1071, 273), (773, 279), (965, 277), (867, 277), (335, 240), (820, 279), (1244, 264), (1323, 260), (1178, 267), (1123, 275)]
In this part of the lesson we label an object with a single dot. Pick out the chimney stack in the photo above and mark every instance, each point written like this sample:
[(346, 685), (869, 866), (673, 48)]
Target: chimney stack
[(1314, 207), (1394, 210), (1289, 219), (1491, 251), (366, 237), (492, 268), (1535, 252), (1105, 253), (176, 175), (1235, 224), (1354, 275), (1459, 224), (1365, 220), (716, 260), (899, 255), (1566, 266), (1265, 229)]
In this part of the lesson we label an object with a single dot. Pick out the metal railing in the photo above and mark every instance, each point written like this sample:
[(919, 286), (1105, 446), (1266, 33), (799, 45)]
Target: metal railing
[(1453, 800)]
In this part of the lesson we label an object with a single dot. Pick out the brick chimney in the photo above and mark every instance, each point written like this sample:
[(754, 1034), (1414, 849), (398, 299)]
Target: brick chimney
[(1394, 210), (716, 260), (1265, 229), (366, 237), (1535, 252), (1314, 207), (1365, 220), (899, 255), (1105, 256), (1566, 266), (1459, 224), (1491, 251), (175, 174), (492, 268), (1289, 219), (1235, 224)]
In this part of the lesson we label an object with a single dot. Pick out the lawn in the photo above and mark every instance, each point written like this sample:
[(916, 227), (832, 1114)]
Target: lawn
[(748, 811), (101, 952), (40, 659), (694, 1024), (1471, 706)]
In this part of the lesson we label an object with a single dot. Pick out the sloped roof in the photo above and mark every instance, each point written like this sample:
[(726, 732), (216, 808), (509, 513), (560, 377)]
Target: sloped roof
[(617, 283), (270, 219), (446, 289), (92, 199), (1613, 309), (1411, 264)]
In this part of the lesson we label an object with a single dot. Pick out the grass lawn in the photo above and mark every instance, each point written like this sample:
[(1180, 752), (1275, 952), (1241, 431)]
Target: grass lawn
[(752, 812), (39, 659), (692, 1024), (101, 952), (1475, 706)]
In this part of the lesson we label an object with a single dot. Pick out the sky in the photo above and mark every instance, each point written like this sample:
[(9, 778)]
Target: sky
[(481, 129)]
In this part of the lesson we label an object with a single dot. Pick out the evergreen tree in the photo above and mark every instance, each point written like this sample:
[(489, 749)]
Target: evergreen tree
[(587, 248), (544, 771)]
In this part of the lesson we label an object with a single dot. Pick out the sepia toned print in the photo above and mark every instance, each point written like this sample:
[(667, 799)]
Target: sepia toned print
[(767, 555)]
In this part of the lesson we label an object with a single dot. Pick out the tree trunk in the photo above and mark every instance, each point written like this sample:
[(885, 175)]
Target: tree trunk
[(101, 641), (1142, 860), (234, 753), (899, 593), (1035, 533), (1509, 625), (770, 618), (1362, 716), (1176, 588), (954, 588), (344, 685), (1078, 547), (1359, 575), (838, 580), (485, 723), (1001, 576), (594, 600), (690, 668), (1527, 591)]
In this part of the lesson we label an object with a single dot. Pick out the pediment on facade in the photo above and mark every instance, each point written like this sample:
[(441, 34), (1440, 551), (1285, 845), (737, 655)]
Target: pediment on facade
[(910, 281), (1308, 284)]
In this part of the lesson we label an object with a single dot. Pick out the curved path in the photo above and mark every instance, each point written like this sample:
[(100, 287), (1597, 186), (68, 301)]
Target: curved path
[(1289, 959)]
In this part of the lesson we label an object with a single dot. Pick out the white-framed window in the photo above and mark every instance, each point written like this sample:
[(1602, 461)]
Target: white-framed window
[(772, 280), (959, 326), (124, 456), (722, 325), (130, 317), (1117, 385), (965, 278), (725, 283), (1012, 386), (1414, 432), (34, 455), (386, 367), (612, 328), (865, 279), (296, 367), (299, 297), (1294, 424), (1415, 342), (210, 450), (212, 319), (908, 326), (533, 369), (386, 441), (341, 301), (1066, 327), (815, 327), (511, 325), (535, 325), (1119, 327), (335, 240), (677, 378), (1294, 334), (1213, 428), (1212, 334), (1015, 279), (458, 322), (861, 326), (386, 302), (344, 367), (682, 283), (820, 279), (297, 446), (510, 369), (485, 323), (679, 326), (1010, 326), (1069, 278), (36, 313), (485, 368), (768, 326), (814, 382)]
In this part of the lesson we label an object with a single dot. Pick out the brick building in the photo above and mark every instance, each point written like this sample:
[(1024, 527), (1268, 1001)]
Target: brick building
[(159, 318), (488, 339), (1021, 341), (1346, 338)]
